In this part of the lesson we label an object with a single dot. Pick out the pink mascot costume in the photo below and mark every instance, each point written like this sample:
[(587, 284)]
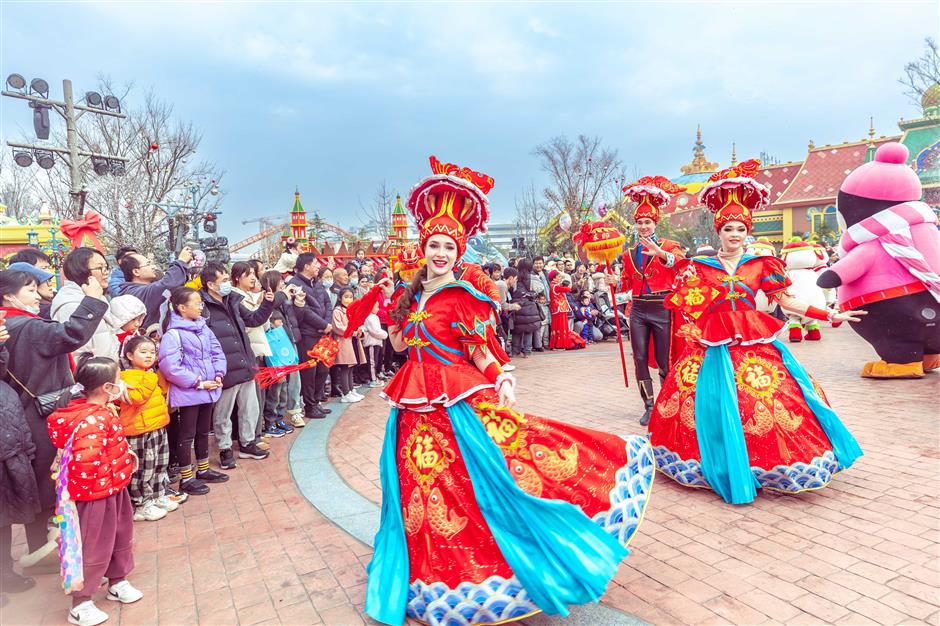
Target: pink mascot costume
[(889, 261)]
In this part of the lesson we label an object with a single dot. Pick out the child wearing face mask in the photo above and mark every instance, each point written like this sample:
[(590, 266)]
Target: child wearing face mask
[(95, 468), (145, 416)]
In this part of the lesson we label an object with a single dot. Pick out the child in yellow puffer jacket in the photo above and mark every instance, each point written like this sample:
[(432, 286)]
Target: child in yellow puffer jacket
[(145, 416)]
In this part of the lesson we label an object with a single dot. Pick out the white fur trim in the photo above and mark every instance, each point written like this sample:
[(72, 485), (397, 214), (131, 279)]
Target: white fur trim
[(737, 181), (423, 404)]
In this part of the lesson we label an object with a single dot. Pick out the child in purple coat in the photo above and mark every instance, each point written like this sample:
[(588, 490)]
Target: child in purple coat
[(193, 363)]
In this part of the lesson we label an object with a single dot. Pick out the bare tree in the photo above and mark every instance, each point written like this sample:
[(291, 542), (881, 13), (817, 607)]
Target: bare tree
[(161, 169), (17, 188), (532, 216), (922, 73), (379, 212)]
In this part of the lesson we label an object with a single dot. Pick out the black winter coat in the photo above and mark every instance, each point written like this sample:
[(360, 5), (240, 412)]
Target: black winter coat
[(38, 357), (313, 318), (291, 323), (227, 319), (19, 495), (527, 319)]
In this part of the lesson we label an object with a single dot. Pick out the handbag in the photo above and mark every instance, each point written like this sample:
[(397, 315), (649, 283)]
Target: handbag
[(45, 402), (283, 351)]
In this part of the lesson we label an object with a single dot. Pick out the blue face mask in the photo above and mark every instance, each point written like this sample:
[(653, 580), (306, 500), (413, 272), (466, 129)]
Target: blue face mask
[(225, 288), (327, 283), (354, 282)]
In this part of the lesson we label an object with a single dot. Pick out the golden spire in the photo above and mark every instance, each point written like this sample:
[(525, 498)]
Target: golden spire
[(811, 146), (734, 154), (871, 132), (699, 164)]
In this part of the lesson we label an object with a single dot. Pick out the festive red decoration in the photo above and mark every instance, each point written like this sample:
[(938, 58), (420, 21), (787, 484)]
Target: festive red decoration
[(323, 352), (601, 242), (410, 260), (451, 202), (77, 230)]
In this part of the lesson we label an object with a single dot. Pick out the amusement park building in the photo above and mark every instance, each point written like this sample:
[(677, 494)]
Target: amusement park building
[(803, 193)]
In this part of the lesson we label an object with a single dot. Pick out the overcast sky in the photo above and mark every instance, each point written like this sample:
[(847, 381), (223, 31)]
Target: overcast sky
[(334, 98)]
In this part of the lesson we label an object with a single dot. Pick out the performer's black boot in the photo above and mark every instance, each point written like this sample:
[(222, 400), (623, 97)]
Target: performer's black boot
[(646, 392)]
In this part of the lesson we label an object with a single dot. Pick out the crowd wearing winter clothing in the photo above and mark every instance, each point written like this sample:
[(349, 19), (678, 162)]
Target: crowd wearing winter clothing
[(120, 377)]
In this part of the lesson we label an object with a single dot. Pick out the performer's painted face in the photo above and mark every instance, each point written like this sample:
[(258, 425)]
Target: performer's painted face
[(441, 253), (645, 227), (732, 236)]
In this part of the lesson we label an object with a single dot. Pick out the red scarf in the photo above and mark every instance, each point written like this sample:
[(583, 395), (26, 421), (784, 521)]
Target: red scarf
[(15, 312)]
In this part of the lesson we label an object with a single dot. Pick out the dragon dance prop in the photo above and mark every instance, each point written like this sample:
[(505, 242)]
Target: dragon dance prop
[(602, 243), (323, 352)]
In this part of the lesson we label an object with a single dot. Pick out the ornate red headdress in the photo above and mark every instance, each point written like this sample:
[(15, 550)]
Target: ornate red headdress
[(652, 193), (451, 202), (410, 260), (733, 194)]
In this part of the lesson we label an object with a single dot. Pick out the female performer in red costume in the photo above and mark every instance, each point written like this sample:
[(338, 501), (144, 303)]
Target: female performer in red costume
[(738, 412), (561, 337), (488, 514)]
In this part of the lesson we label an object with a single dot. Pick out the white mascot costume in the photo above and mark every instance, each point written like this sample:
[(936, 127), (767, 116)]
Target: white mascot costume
[(762, 247), (802, 259)]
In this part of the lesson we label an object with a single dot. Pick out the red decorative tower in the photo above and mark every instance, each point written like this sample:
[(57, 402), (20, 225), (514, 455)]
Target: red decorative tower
[(398, 234), (298, 222)]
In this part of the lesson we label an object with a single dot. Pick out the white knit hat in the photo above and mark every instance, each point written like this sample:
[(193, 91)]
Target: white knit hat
[(125, 308)]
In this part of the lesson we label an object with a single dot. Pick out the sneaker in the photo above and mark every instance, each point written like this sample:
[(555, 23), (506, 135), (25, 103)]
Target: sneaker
[(166, 503), (227, 459), (273, 431), (264, 445), (124, 592), (356, 396), (375, 383), (148, 512), (315, 414), (252, 451), (87, 614), (349, 398), (177, 496), (211, 476), (297, 420), (287, 428), (194, 487), (508, 367)]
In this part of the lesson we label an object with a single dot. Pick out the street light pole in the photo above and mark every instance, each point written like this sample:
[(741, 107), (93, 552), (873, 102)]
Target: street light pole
[(71, 139)]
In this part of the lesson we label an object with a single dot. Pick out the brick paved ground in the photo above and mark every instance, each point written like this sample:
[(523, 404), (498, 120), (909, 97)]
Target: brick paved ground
[(864, 550)]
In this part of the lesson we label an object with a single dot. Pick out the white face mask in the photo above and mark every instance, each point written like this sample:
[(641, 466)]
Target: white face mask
[(32, 309), (120, 393)]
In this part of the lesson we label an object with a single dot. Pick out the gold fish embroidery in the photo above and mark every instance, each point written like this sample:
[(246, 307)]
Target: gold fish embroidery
[(414, 513), (687, 412), (556, 466), (442, 520), (526, 477), (760, 422), (671, 407), (787, 420)]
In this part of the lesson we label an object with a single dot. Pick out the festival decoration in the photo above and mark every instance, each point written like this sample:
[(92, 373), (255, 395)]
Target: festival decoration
[(410, 260), (87, 227), (602, 243), (324, 352), (564, 222), (601, 210)]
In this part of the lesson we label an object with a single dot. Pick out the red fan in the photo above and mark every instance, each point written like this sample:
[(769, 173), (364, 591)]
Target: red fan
[(359, 310), (324, 352)]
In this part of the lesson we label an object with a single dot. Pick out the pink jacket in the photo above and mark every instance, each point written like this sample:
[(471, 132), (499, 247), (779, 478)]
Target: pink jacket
[(869, 274)]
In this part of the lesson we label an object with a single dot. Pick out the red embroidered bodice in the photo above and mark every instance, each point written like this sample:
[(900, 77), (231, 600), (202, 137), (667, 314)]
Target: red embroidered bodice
[(441, 331)]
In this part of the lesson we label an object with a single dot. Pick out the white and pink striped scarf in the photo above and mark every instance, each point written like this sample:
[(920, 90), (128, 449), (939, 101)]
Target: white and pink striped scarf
[(891, 227)]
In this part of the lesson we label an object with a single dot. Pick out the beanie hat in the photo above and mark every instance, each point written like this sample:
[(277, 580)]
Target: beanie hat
[(552, 274), (38, 273), (125, 308), (888, 177)]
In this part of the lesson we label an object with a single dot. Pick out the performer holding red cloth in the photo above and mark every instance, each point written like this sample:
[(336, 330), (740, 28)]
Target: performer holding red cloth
[(649, 269), (488, 515), (561, 337), (738, 412)]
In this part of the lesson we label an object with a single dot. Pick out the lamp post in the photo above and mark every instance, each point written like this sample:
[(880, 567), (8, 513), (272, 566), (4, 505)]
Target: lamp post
[(184, 212), (32, 239)]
